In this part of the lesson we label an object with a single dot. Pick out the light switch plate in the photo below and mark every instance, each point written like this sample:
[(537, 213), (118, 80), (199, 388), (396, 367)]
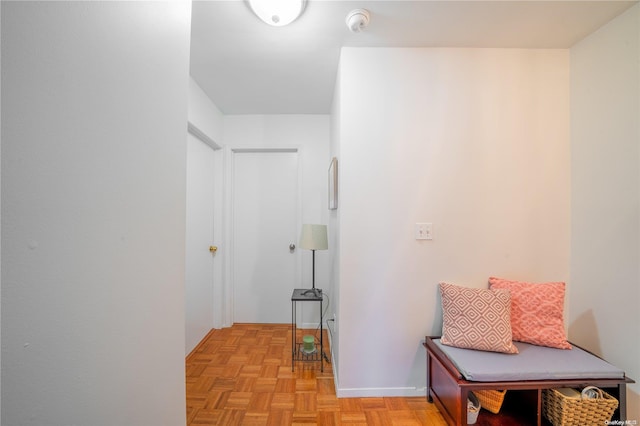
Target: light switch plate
[(424, 231)]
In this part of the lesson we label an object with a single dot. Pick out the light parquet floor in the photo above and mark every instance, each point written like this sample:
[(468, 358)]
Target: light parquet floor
[(242, 376)]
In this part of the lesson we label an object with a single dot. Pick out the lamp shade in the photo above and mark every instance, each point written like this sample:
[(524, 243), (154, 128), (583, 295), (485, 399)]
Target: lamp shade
[(314, 237)]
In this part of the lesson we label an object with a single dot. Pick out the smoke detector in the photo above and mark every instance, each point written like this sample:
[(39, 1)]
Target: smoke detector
[(357, 20)]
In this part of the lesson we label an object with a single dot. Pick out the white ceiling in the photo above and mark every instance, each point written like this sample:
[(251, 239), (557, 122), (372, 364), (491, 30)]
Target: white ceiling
[(248, 67)]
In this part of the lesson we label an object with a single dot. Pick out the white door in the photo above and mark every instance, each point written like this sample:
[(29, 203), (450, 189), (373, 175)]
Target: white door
[(199, 303), (265, 223)]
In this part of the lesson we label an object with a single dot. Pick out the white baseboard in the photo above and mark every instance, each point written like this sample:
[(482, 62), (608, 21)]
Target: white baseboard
[(380, 392), (308, 325)]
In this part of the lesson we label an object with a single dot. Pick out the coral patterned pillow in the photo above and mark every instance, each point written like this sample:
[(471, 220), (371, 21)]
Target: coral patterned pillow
[(475, 318), (537, 312)]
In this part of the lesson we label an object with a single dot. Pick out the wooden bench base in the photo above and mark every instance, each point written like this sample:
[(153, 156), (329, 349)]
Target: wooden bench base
[(447, 388)]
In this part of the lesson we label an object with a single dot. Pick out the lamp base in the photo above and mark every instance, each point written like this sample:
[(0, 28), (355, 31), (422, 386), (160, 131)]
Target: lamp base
[(316, 292)]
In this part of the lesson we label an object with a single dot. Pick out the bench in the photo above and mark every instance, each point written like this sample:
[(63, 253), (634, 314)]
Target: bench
[(453, 372)]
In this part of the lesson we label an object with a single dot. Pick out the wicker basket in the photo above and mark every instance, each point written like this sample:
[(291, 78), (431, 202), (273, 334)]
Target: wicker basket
[(563, 410), (491, 399)]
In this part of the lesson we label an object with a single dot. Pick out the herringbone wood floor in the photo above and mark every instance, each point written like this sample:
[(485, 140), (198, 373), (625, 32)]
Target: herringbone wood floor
[(242, 376)]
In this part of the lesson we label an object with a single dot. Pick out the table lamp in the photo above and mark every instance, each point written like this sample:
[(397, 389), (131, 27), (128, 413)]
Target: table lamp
[(314, 237)]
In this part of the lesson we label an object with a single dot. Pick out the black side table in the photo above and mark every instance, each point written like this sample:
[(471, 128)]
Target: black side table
[(305, 295)]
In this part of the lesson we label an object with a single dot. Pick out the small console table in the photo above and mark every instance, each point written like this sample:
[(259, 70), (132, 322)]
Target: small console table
[(305, 295)]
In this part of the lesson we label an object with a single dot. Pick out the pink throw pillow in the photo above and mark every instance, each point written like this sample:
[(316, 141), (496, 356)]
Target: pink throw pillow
[(475, 318), (537, 312)]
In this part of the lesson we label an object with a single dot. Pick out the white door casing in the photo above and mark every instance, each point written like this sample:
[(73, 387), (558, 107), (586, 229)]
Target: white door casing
[(265, 221)]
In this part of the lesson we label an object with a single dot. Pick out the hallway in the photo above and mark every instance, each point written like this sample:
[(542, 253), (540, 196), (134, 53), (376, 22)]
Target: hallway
[(242, 376)]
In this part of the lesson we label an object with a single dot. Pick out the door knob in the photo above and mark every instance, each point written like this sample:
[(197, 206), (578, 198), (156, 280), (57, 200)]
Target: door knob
[(213, 249), (292, 247)]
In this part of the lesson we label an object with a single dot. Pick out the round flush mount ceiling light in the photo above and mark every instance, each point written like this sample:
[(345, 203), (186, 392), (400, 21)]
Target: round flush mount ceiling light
[(277, 12)]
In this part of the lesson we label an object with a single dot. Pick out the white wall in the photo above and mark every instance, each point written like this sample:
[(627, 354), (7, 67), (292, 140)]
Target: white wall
[(94, 108), (334, 232), (204, 114), (605, 220), (0, 225), (475, 141), (311, 135)]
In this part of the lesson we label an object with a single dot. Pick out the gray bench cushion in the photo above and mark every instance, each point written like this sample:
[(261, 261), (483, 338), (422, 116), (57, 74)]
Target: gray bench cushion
[(532, 363)]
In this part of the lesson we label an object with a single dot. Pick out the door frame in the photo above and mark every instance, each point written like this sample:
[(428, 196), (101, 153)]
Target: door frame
[(228, 282)]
